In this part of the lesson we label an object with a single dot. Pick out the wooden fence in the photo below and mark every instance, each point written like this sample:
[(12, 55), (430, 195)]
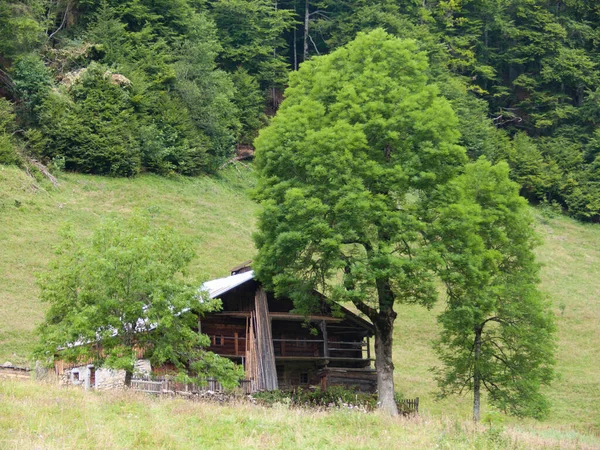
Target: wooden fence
[(409, 406), (169, 386)]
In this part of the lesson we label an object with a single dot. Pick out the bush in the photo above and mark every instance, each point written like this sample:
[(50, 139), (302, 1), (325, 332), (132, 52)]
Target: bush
[(8, 154), (335, 396), (33, 82)]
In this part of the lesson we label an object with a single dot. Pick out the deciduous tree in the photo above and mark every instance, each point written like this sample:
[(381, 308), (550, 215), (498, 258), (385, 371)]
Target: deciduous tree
[(497, 328), (351, 169), (124, 292)]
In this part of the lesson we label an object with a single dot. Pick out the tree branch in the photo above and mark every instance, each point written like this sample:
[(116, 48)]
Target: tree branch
[(314, 45), (367, 310), (62, 23)]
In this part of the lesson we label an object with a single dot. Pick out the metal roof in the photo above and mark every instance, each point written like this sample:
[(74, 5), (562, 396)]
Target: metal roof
[(219, 286)]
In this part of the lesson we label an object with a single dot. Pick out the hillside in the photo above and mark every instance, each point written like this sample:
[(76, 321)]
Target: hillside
[(217, 213), (214, 211)]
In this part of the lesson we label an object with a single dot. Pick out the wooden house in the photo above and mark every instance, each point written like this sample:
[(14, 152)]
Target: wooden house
[(281, 349), (278, 348)]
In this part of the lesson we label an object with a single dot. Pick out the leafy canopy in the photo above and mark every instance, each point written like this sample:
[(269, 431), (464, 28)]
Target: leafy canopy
[(359, 151)]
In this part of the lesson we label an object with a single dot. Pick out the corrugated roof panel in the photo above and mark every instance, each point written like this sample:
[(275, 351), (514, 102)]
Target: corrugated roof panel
[(219, 286)]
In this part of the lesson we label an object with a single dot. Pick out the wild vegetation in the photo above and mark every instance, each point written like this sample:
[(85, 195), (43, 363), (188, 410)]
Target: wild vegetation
[(216, 213), (55, 418), (124, 291), (125, 88), (121, 87)]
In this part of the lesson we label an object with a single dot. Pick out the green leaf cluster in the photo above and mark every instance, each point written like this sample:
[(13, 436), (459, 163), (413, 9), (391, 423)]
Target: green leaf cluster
[(360, 133), (125, 292), (8, 154), (498, 330)]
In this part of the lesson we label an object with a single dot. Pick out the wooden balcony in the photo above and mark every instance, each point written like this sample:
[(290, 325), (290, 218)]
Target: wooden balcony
[(300, 349)]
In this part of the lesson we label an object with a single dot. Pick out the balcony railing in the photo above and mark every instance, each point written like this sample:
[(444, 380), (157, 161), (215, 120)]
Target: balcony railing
[(295, 347)]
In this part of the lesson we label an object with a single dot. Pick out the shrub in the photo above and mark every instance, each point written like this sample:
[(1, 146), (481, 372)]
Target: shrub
[(335, 396), (8, 154), (92, 126)]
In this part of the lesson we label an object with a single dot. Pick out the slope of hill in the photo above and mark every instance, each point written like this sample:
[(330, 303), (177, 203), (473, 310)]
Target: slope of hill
[(570, 277), (217, 213), (214, 211)]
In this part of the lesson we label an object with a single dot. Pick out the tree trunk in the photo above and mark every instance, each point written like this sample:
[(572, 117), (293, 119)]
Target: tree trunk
[(128, 377), (477, 377), (306, 25), (384, 330), (295, 44)]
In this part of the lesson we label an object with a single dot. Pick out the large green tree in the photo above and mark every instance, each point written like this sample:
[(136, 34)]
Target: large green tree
[(351, 172), (124, 292), (497, 329)]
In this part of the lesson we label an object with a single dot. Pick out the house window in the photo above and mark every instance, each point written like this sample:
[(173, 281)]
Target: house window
[(75, 376), (304, 378), (218, 340)]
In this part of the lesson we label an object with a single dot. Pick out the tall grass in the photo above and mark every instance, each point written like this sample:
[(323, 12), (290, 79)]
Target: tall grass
[(41, 416)]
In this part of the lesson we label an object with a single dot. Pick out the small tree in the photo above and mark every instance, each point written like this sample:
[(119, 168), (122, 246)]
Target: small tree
[(351, 172), (123, 293), (497, 330)]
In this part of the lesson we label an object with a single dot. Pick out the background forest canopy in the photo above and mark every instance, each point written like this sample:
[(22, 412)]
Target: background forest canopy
[(120, 87)]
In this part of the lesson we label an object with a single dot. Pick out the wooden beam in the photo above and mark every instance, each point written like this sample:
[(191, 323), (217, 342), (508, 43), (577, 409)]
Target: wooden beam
[(235, 335), (325, 344), (281, 316), (315, 358)]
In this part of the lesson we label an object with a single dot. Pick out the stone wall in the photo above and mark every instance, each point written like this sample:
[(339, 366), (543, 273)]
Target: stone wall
[(109, 379)]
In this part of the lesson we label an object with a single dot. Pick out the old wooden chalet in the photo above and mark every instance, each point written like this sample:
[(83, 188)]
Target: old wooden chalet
[(278, 348), (281, 349)]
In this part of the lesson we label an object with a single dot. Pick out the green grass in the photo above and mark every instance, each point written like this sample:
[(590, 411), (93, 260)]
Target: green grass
[(217, 213), (214, 211), (34, 415), (570, 277)]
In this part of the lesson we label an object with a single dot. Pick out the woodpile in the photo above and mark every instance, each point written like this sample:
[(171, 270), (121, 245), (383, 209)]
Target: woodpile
[(260, 355)]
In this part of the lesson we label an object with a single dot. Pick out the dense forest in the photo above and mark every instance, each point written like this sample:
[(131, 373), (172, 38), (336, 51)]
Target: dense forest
[(123, 87)]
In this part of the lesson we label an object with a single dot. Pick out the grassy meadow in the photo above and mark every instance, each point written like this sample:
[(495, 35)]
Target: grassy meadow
[(218, 215), (34, 416), (215, 212)]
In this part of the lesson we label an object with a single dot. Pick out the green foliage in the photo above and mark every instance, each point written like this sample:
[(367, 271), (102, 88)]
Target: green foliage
[(92, 125), (363, 113), (498, 331), (173, 112), (250, 104), (334, 396), (33, 82), (7, 145), (251, 34), (531, 65), (122, 292), (207, 93), (360, 133), (21, 27)]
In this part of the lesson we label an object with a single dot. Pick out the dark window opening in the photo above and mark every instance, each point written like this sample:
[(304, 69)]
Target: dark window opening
[(304, 378), (76, 376), (218, 340)]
